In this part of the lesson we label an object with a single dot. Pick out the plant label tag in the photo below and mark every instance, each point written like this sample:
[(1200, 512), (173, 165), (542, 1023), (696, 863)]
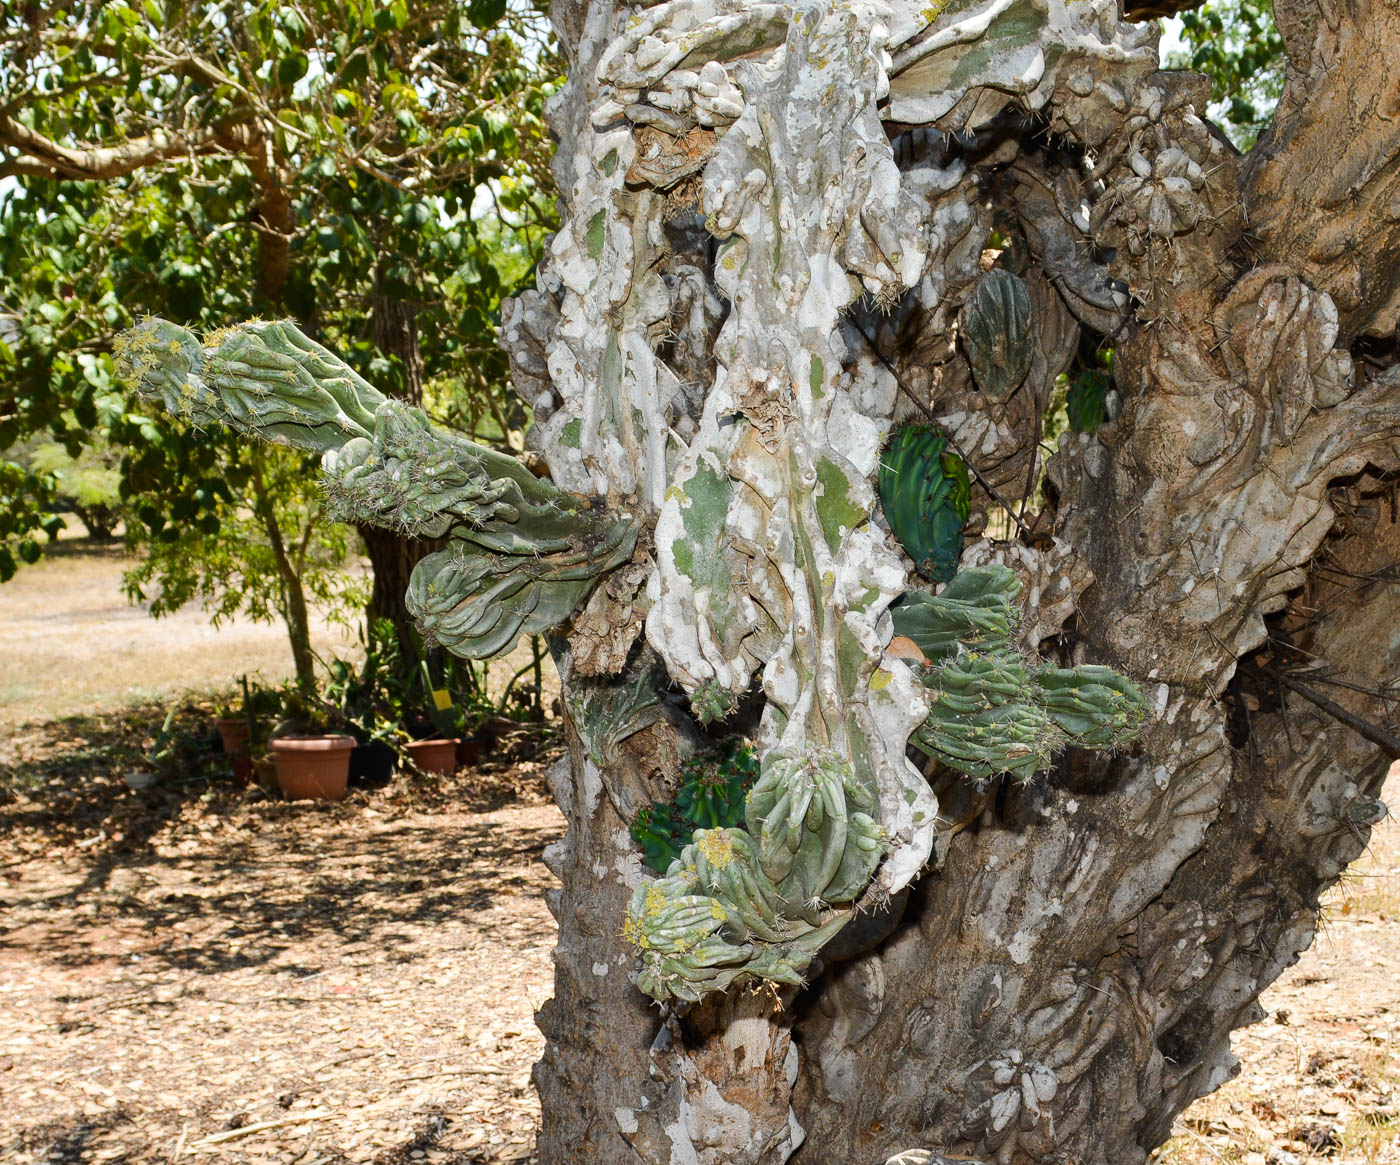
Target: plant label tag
[(442, 699)]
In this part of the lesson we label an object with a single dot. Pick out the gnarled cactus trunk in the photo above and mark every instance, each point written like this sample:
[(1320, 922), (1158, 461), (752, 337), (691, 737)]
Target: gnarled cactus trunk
[(771, 241), (1033, 944)]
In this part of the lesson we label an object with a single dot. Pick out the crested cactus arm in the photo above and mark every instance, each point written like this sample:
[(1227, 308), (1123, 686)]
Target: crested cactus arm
[(477, 604), (522, 554), (991, 710), (267, 379)]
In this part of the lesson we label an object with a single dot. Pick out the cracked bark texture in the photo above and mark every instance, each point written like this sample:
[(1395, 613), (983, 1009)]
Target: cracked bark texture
[(773, 215)]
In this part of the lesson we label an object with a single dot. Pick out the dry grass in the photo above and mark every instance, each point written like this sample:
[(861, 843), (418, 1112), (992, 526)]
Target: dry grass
[(71, 644)]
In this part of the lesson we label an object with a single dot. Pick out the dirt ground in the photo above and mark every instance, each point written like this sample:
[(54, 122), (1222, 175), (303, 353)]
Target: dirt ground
[(191, 973), (1320, 1077), (196, 974)]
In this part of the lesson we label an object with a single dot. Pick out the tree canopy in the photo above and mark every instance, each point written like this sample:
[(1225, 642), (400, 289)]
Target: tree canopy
[(375, 171)]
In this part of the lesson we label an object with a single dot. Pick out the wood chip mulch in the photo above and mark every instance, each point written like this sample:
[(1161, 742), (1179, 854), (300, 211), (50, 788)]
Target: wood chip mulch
[(193, 973)]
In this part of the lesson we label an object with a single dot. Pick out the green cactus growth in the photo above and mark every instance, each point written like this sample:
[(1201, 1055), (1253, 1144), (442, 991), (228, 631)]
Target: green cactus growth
[(925, 493), (739, 905), (716, 921), (992, 709), (521, 554), (817, 838), (742, 904), (979, 608), (1086, 403), (712, 703), (998, 333), (710, 796)]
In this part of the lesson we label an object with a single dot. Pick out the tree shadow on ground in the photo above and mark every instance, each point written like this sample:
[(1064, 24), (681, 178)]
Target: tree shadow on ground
[(246, 904), (196, 875)]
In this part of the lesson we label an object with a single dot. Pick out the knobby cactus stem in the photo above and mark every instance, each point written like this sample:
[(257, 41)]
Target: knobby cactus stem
[(522, 554)]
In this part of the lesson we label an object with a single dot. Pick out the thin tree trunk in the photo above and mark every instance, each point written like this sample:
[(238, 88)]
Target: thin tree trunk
[(394, 323), (295, 615), (392, 557)]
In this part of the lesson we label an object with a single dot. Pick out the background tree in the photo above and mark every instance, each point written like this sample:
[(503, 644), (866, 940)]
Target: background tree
[(788, 231), (1236, 45), (367, 171)]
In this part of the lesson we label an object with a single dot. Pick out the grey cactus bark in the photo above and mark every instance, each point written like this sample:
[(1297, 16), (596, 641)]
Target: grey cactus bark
[(778, 220), (775, 219)]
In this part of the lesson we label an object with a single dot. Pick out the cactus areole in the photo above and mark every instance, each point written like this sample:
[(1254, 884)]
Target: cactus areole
[(777, 363)]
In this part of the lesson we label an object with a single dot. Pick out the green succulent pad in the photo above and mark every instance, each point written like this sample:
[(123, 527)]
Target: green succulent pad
[(981, 607), (997, 332), (738, 905), (992, 708), (521, 555), (925, 493)]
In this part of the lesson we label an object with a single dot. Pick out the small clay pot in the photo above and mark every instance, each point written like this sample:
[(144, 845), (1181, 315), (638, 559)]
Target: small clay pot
[(434, 756), (233, 735), (313, 767)]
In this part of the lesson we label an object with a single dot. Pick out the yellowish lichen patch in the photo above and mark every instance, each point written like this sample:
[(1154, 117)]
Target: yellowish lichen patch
[(716, 847)]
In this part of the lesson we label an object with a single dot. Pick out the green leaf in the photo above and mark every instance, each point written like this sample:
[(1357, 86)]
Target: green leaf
[(484, 13), (1087, 402), (29, 550), (416, 215), (292, 68)]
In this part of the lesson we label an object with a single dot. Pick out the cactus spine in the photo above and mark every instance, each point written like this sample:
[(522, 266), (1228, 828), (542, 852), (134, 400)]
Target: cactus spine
[(521, 553)]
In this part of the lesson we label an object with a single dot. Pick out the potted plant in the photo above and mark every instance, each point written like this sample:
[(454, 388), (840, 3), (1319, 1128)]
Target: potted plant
[(236, 736), (434, 749), (313, 761), (368, 700), (374, 759)]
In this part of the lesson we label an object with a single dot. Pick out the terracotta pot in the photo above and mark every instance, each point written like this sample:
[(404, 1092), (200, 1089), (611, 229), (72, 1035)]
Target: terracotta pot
[(233, 734), (434, 756), (313, 766)]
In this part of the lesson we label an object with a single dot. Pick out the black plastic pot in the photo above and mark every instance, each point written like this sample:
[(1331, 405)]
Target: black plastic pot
[(372, 765)]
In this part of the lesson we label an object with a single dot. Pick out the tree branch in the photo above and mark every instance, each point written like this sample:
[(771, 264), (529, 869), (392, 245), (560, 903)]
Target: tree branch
[(1385, 741), (47, 158)]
